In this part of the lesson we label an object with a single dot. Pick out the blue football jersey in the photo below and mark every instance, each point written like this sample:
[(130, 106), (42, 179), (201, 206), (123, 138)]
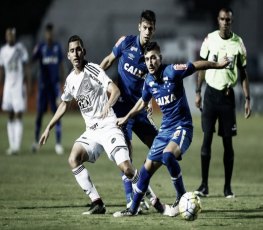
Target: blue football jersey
[(170, 95), (49, 58), (131, 68)]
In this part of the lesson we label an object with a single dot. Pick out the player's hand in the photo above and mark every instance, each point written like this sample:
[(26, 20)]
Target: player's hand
[(44, 137), (223, 62), (198, 101), (247, 109), (121, 121)]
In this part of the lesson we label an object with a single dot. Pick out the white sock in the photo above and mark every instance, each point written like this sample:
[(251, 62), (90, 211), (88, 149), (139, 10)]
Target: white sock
[(151, 195), (82, 176), (18, 128), (11, 133)]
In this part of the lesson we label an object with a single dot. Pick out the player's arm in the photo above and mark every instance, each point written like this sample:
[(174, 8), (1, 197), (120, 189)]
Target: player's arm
[(204, 65), (245, 87), (108, 61), (139, 106), (62, 108), (114, 93), (199, 83)]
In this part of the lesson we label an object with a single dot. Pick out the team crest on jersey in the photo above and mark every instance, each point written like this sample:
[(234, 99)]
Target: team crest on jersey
[(131, 56), (180, 66), (134, 48)]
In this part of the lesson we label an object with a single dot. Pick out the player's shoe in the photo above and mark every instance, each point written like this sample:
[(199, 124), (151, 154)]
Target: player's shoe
[(158, 205), (228, 192), (127, 212), (35, 147), (175, 208), (11, 152), (202, 191), (59, 149), (96, 207)]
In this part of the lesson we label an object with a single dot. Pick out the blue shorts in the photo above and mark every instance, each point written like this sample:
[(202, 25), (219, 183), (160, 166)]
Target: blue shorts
[(181, 136), (142, 125)]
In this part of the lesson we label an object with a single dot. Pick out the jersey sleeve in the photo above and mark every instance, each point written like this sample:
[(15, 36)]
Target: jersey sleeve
[(24, 52), (66, 95), (242, 55), (146, 93), (183, 70), (204, 51), (117, 49)]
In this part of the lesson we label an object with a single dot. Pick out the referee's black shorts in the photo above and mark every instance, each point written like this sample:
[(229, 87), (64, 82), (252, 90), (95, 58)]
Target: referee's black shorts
[(219, 105)]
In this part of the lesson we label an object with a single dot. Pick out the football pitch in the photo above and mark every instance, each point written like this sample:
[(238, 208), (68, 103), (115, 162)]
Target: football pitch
[(38, 191)]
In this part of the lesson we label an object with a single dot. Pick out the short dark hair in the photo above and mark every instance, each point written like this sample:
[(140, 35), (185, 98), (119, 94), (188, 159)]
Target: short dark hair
[(49, 27), (74, 38), (227, 10), (151, 46), (148, 15)]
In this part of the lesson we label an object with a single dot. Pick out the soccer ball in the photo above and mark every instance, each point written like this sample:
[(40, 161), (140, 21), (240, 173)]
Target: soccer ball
[(189, 206)]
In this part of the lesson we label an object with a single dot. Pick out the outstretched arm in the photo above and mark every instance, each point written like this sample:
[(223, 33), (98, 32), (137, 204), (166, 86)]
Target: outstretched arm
[(139, 106), (204, 65), (199, 83), (62, 108), (108, 61)]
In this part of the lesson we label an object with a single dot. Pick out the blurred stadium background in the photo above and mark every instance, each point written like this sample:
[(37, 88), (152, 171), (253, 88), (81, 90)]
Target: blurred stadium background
[(181, 27)]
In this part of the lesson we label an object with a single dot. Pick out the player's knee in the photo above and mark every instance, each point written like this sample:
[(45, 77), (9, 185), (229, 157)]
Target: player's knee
[(167, 158)]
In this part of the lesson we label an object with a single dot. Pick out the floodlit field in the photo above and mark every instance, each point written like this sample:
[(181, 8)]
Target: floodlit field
[(38, 191)]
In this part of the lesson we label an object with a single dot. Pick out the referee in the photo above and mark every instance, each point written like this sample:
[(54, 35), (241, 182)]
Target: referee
[(219, 98)]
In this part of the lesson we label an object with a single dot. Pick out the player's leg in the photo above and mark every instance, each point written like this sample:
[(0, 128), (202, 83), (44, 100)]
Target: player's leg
[(172, 153), (146, 131), (227, 129), (208, 117), (11, 133), (54, 98), (41, 109), (79, 154), (18, 130)]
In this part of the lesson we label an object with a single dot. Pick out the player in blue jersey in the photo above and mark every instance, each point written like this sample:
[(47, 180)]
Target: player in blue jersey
[(165, 84), (132, 69), (50, 56)]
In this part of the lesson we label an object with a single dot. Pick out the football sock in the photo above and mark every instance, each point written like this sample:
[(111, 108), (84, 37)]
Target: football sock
[(205, 162), (18, 128), (140, 188), (150, 195), (175, 172), (82, 176), (11, 133), (228, 160), (127, 184)]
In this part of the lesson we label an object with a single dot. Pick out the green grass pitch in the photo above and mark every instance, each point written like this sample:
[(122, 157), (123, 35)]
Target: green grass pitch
[(38, 191)]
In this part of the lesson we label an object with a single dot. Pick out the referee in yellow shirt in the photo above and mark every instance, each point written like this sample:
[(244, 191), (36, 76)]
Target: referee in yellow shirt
[(219, 98)]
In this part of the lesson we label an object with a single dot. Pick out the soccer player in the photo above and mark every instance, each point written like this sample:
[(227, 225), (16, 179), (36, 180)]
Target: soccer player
[(50, 56), (89, 85), (165, 84), (219, 98), (132, 69), (15, 68)]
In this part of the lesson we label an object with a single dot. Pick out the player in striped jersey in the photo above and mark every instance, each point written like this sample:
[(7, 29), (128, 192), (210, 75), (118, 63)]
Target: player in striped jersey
[(165, 84), (89, 85), (132, 69), (14, 66)]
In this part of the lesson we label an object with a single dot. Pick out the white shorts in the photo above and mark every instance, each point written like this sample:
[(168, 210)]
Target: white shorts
[(109, 138), (14, 99)]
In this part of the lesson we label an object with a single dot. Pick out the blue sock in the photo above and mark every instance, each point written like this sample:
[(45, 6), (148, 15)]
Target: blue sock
[(175, 171), (127, 184), (141, 188)]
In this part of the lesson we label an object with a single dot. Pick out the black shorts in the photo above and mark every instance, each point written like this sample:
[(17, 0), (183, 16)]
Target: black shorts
[(219, 104)]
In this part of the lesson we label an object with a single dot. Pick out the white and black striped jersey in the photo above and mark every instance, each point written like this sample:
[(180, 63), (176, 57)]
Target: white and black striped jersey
[(89, 89)]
